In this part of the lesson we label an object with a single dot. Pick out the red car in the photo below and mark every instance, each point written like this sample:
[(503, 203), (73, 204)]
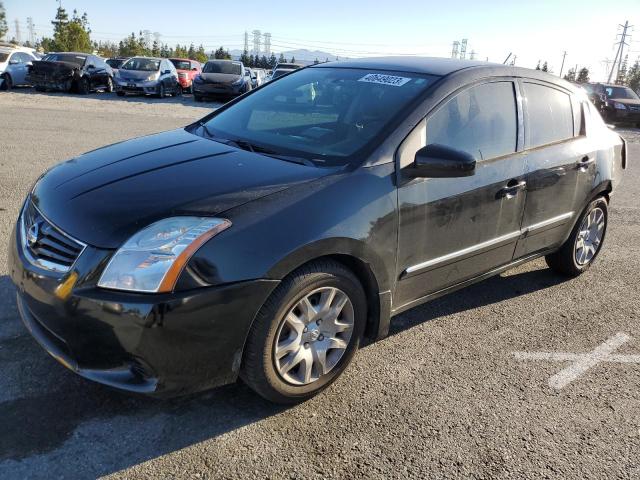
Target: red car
[(187, 70)]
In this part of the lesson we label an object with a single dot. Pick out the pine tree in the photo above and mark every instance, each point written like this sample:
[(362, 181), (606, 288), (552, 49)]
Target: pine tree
[(538, 65), (545, 67), (155, 49), (622, 73), (570, 76), (222, 54), (191, 53), (244, 58), (316, 61), (273, 61), (583, 75), (293, 59), (3, 21), (633, 77), (252, 61), (264, 63), (200, 55)]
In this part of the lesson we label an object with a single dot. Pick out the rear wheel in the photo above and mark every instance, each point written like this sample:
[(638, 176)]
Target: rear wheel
[(161, 92), (83, 86), (120, 94), (8, 82), (197, 98), (580, 250), (305, 334)]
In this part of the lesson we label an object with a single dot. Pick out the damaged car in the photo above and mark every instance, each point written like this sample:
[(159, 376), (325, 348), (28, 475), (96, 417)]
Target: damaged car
[(71, 72)]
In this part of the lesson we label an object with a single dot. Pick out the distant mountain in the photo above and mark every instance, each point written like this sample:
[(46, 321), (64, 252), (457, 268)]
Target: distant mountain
[(302, 55)]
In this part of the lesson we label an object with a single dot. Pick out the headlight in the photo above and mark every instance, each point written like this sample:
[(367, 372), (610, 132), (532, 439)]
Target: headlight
[(153, 77), (152, 259), (239, 81), (619, 106)]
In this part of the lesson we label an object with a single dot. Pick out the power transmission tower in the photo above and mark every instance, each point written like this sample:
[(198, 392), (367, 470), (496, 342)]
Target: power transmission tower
[(618, 58), (17, 31), (463, 49), (157, 36), (472, 55), (267, 44), (564, 55), (454, 50), (257, 37), (246, 41), (32, 34), (147, 37)]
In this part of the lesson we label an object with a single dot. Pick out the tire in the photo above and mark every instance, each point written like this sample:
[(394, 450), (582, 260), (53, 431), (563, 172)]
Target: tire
[(8, 82), (161, 92), (83, 86), (178, 90), (270, 377), (110, 87), (570, 259), (197, 98), (40, 89), (120, 94)]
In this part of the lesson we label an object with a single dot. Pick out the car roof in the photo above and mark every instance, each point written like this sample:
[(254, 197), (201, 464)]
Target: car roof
[(85, 54), (183, 59), (609, 84)]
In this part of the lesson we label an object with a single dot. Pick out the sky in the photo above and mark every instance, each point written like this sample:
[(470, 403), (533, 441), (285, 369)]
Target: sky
[(530, 30)]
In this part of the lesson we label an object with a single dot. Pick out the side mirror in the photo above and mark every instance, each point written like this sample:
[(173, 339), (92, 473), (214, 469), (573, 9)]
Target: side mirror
[(166, 72), (439, 161)]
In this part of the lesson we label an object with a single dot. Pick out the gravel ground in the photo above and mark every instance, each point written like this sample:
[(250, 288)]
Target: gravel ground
[(443, 396)]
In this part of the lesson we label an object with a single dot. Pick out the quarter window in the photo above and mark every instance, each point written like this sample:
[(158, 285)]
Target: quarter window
[(480, 120), (549, 114)]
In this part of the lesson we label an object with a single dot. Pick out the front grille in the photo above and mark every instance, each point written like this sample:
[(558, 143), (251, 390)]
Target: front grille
[(44, 244), (634, 108)]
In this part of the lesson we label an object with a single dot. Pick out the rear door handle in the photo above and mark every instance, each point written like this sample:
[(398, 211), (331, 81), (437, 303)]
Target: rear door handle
[(511, 189), (584, 162)]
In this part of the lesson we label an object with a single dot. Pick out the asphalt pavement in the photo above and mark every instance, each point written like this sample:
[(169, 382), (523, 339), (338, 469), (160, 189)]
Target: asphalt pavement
[(525, 375)]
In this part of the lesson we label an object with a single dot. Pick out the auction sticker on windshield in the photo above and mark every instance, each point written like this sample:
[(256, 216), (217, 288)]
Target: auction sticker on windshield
[(385, 79)]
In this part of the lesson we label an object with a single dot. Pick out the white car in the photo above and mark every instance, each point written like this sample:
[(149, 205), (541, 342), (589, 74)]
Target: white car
[(14, 66)]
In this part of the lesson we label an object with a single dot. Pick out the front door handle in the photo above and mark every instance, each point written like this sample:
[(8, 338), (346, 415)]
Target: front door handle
[(511, 189), (584, 162)]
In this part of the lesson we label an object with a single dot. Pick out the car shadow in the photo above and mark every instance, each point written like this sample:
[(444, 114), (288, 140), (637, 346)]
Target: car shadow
[(53, 417), (493, 290), (184, 99)]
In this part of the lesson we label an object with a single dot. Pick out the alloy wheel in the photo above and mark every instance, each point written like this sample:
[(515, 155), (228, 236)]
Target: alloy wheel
[(313, 336), (589, 236)]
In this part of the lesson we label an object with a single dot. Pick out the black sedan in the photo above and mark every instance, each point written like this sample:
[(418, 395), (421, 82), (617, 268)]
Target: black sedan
[(268, 239), (69, 71)]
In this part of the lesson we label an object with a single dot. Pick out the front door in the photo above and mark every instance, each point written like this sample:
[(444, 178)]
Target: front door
[(453, 229), (560, 166)]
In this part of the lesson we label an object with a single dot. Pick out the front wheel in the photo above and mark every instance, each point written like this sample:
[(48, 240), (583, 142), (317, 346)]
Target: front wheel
[(110, 87), (305, 334), (83, 86), (7, 84), (161, 92), (580, 250)]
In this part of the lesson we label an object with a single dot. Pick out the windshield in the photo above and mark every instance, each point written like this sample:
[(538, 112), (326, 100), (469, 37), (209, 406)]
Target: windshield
[(142, 64), (181, 64), (65, 57), (325, 115), (115, 62), (231, 68), (621, 92)]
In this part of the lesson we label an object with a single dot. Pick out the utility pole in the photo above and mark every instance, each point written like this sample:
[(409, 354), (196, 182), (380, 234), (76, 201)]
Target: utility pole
[(454, 49), (17, 31), (472, 55), (618, 58), (463, 49), (30, 27), (564, 55)]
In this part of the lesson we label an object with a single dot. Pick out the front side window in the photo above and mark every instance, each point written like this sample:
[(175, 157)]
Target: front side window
[(481, 121), (549, 114), (326, 115), (142, 64)]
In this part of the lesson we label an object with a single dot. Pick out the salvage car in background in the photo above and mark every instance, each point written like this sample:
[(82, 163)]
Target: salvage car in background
[(69, 71), (618, 104), (267, 239), (283, 68), (221, 78), (148, 76), (14, 66), (187, 70), (116, 63)]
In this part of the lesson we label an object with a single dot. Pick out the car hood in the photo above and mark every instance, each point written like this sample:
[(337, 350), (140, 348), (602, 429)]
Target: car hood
[(220, 77), (105, 196), (135, 74)]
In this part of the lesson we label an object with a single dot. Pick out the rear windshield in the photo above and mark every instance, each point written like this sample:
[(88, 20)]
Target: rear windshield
[(142, 64), (65, 57), (181, 64), (621, 92), (325, 115), (223, 67), (115, 62), (281, 71)]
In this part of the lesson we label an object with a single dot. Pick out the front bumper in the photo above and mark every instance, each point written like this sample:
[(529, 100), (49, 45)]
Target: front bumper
[(148, 88), (206, 89), (160, 344), (49, 82), (615, 115)]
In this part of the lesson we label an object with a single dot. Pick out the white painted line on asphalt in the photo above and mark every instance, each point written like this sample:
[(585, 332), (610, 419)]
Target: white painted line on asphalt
[(582, 362)]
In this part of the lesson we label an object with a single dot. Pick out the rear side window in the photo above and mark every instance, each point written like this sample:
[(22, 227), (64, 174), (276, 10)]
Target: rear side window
[(549, 115), (480, 120)]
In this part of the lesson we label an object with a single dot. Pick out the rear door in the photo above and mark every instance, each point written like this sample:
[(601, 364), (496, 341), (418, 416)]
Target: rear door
[(560, 162), (454, 229)]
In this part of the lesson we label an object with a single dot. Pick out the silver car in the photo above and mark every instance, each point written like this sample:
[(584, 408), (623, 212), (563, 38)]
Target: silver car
[(14, 66), (147, 76)]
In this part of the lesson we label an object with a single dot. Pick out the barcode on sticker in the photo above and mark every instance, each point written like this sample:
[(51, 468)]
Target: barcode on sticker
[(385, 79)]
